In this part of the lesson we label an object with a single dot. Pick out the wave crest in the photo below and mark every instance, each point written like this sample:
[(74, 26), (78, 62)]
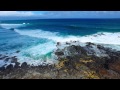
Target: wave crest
[(8, 26), (100, 37)]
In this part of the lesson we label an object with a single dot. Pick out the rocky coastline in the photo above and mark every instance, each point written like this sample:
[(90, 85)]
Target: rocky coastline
[(75, 61)]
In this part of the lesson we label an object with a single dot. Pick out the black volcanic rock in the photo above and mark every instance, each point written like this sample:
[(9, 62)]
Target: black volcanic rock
[(59, 53), (2, 68), (9, 67), (7, 59), (24, 65), (100, 58), (17, 65), (100, 47), (14, 59), (75, 61), (89, 44)]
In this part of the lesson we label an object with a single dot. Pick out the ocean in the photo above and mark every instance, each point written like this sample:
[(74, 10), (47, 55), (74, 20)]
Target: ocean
[(36, 39)]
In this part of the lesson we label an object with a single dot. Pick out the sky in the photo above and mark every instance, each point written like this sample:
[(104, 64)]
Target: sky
[(6, 15)]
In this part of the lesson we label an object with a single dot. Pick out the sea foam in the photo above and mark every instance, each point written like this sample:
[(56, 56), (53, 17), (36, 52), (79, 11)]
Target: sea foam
[(35, 55), (103, 38), (100, 37), (8, 26)]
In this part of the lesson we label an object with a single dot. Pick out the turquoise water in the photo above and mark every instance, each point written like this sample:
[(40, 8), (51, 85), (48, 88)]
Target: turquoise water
[(36, 39)]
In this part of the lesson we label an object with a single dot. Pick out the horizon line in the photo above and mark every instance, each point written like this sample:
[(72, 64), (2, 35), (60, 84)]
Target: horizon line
[(57, 18)]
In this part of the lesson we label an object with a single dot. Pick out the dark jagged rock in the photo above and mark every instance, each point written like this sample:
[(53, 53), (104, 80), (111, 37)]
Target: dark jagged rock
[(9, 67), (100, 47), (2, 68), (101, 59), (74, 51), (24, 65), (3, 57), (7, 59), (89, 61), (59, 53), (89, 43), (17, 65), (14, 59), (67, 43), (17, 51), (58, 43)]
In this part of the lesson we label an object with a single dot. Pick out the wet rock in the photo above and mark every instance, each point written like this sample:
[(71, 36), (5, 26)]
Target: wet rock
[(60, 53), (89, 43), (74, 50), (74, 41), (100, 47), (2, 68), (14, 59), (17, 51), (9, 67), (3, 57), (7, 59), (58, 43), (67, 43), (24, 65), (104, 65), (17, 65), (74, 62)]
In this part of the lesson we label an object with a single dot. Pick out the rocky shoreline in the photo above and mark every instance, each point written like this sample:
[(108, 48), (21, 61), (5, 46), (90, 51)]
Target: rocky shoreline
[(76, 61)]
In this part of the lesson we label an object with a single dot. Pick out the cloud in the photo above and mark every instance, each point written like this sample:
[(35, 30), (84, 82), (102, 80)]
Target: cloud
[(57, 14), (16, 13), (82, 14)]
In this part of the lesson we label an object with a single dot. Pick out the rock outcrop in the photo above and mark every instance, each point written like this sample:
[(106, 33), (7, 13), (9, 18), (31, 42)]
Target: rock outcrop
[(76, 61), (105, 62)]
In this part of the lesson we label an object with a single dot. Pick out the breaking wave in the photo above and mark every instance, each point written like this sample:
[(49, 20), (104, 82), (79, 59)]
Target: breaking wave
[(100, 37), (8, 26)]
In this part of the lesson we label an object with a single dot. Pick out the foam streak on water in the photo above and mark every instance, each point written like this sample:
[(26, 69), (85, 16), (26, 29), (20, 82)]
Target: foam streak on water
[(101, 37), (8, 26)]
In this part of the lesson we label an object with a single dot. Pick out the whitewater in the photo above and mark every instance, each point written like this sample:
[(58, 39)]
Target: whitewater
[(37, 41)]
